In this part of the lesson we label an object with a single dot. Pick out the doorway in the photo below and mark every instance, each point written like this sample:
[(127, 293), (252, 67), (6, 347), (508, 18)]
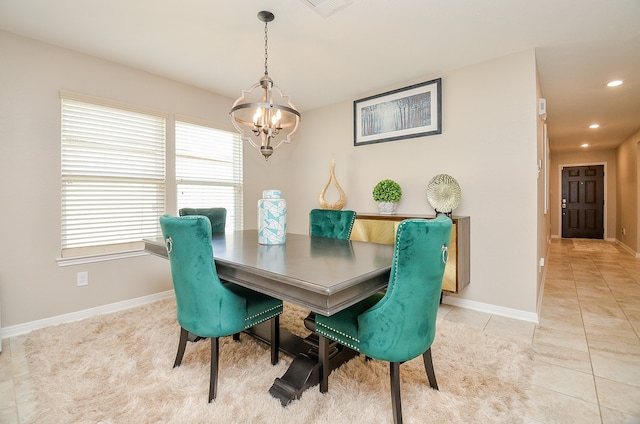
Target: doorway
[(583, 202)]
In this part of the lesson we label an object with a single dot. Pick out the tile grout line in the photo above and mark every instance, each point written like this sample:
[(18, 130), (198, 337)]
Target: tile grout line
[(593, 372)]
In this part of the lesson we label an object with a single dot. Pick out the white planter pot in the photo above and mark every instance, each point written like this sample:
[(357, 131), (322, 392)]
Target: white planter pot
[(387, 208)]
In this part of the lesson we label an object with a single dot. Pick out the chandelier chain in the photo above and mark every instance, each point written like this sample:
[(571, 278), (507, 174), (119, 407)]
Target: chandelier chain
[(266, 54)]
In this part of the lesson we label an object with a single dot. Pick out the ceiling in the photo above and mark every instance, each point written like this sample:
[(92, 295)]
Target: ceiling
[(364, 47)]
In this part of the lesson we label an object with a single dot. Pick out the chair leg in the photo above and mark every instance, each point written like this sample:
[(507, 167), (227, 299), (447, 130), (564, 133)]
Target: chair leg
[(213, 378), (428, 366), (182, 344), (396, 403), (275, 339), (323, 353)]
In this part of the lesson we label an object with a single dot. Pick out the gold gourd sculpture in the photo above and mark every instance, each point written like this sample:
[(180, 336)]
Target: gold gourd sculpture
[(332, 178)]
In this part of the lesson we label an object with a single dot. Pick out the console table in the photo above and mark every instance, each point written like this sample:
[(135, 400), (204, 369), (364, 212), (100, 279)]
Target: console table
[(378, 228)]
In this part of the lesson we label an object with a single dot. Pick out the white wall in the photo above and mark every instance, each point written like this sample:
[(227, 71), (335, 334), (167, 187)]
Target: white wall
[(488, 144)]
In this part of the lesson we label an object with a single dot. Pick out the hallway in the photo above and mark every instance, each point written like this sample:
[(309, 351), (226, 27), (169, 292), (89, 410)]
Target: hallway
[(587, 346)]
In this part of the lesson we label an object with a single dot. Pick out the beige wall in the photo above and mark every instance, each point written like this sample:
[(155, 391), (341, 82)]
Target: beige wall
[(584, 157), (32, 285), (628, 181), (544, 215), (489, 144)]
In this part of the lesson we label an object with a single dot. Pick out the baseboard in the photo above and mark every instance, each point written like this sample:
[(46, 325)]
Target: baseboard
[(19, 329), (491, 309), (628, 249)]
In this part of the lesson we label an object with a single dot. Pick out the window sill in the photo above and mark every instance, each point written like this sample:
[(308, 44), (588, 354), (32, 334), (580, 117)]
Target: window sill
[(79, 260)]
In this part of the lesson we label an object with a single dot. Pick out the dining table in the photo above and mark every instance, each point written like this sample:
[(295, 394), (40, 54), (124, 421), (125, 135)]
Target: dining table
[(323, 275)]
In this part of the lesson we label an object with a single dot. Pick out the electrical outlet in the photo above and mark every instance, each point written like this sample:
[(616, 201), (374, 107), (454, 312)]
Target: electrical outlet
[(82, 278), (541, 262), (624, 231)]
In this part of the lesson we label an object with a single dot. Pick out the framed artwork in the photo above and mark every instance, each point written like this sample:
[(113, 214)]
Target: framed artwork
[(414, 111)]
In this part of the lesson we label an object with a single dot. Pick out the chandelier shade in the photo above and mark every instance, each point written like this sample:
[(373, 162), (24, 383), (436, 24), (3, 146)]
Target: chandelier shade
[(264, 116)]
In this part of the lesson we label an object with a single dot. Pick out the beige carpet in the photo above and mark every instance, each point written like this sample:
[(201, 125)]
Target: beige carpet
[(117, 368)]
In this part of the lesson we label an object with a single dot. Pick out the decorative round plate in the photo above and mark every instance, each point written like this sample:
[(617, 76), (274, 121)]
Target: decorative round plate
[(443, 193)]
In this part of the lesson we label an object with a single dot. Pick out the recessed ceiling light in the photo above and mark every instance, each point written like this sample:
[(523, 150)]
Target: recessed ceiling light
[(584, 145), (614, 83), (594, 126)]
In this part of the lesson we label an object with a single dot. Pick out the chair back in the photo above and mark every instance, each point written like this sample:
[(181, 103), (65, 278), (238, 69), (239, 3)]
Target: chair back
[(331, 223), (217, 217), (205, 307), (402, 324)]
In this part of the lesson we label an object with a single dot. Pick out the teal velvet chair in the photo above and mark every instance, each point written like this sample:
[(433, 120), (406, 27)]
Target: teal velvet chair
[(206, 307), (400, 324), (331, 223), (217, 217)]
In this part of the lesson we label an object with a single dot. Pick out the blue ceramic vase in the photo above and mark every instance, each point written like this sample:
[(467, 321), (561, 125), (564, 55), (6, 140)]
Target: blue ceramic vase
[(272, 218)]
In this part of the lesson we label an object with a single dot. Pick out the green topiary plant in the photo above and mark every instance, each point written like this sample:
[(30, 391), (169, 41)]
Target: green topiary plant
[(387, 191)]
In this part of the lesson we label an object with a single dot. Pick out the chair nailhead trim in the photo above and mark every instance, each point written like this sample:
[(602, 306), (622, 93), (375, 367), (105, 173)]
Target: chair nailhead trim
[(263, 312), (353, 220), (395, 257), (258, 322), (330, 336), (266, 318)]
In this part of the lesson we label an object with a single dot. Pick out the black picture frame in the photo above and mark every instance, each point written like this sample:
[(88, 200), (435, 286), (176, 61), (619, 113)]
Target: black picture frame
[(413, 111)]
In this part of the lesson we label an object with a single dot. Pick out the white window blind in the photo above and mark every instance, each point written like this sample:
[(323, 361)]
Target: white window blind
[(209, 170), (113, 178)]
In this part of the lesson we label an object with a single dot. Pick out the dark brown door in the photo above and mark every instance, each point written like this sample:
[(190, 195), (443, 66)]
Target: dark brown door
[(583, 202)]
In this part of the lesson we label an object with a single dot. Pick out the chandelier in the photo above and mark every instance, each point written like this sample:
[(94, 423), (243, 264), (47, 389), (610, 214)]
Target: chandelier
[(262, 113)]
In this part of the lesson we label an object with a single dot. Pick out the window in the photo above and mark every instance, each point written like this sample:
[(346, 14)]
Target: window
[(209, 170), (113, 178)]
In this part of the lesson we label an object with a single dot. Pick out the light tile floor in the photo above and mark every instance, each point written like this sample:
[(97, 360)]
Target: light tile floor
[(587, 349)]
